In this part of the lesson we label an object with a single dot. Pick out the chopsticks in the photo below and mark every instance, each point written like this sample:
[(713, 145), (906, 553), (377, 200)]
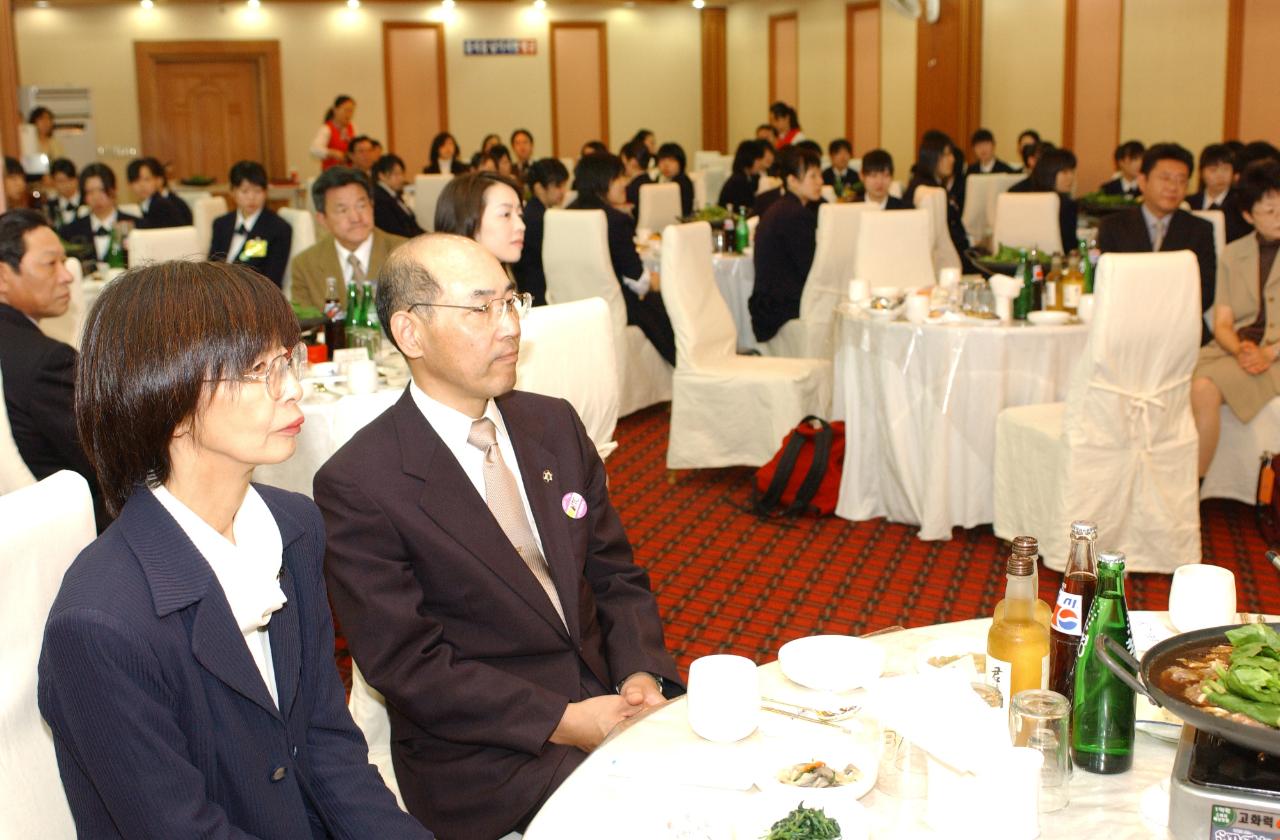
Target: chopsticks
[(796, 716)]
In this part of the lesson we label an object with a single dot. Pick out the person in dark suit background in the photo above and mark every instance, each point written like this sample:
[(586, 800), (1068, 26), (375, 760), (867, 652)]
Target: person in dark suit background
[(252, 235), (363, 152), (1055, 172), (635, 168), (443, 158), (92, 231), (877, 178), (840, 176), (600, 183), (672, 164), (740, 187), (146, 176), (985, 162), (548, 180), (785, 243), (39, 372), (65, 202), (1028, 140), (521, 153), (480, 573), (1128, 158), (1217, 192), (187, 671), (183, 207), (935, 166), (390, 212), (1158, 223)]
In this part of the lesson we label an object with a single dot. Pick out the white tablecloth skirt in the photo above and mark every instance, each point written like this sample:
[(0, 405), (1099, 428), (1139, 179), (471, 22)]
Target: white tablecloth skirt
[(736, 277)]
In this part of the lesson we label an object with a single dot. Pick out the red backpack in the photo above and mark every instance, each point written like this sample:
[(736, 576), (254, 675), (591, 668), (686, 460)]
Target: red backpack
[(804, 474)]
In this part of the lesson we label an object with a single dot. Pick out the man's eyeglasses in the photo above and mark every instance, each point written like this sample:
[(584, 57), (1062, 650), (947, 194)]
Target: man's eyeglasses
[(496, 309), (272, 373)]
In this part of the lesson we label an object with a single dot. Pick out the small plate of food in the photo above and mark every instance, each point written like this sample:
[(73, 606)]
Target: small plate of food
[(965, 655), (776, 818), (821, 769)]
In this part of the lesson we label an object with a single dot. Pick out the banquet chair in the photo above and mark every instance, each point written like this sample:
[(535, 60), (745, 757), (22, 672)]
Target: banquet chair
[(308, 203), (896, 189), (934, 200), (161, 244), (726, 409), (1122, 449), (980, 192), (369, 711), (133, 209), (699, 181), (66, 327), (810, 335), (1219, 221), (304, 236), (426, 194), (894, 250), (14, 474), (829, 194), (715, 182), (658, 207), (1233, 473), (1028, 220), (42, 529), (203, 211), (575, 258), (552, 334)]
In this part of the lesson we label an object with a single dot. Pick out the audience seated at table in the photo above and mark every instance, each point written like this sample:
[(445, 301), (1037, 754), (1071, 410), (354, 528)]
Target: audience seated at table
[(16, 192), (1031, 154), (443, 157), (354, 250), (600, 182), (363, 152), (506, 647), (985, 162), (187, 672), (521, 153), (877, 178), (65, 203), (496, 159), (1128, 160), (252, 234), (486, 207), (785, 243), (548, 181), (1239, 365), (786, 125), (1217, 177), (335, 134), (593, 147), (749, 163), (635, 168), (93, 230), (671, 165), (1028, 140), (1159, 224), (1055, 171), (766, 199), (840, 176), (146, 177), (765, 132), (648, 139), (185, 209), (935, 166), (390, 211)]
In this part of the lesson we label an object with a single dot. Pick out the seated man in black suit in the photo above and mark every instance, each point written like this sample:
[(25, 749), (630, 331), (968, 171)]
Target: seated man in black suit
[(183, 207), (840, 176), (364, 152), (146, 177), (39, 373), (1159, 225), (877, 177), (253, 235), (1128, 158), (92, 231), (1217, 191), (64, 203), (985, 162), (390, 212)]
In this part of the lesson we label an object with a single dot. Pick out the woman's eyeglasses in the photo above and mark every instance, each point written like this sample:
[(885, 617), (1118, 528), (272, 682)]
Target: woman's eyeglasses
[(273, 373)]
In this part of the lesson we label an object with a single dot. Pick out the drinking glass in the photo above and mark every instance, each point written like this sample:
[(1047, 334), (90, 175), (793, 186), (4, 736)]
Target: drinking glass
[(1040, 720), (724, 697), (904, 768), (1202, 596)]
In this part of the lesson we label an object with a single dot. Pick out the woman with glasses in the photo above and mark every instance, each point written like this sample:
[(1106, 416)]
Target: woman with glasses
[(187, 670)]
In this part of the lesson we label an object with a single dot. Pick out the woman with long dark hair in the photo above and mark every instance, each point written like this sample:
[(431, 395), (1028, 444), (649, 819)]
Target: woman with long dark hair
[(443, 158), (335, 135), (1055, 171), (486, 207), (935, 166)]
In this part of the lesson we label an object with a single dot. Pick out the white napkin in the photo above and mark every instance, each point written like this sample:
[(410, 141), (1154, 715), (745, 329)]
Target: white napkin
[(940, 713), (1005, 289)]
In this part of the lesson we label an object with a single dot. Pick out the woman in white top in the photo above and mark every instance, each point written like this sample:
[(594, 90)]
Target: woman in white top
[(335, 135)]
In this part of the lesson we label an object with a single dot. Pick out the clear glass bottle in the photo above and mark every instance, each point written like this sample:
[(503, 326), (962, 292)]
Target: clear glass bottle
[(1073, 283), (1052, 299)]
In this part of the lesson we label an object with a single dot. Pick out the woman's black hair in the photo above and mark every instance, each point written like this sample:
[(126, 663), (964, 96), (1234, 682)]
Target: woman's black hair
[(1044, 177), (932, 145), (461, 204), (548, 172), (592, 177), (781, 109), (437, 143), (797, 161), (673, 151), (338, 102), (749, 151)]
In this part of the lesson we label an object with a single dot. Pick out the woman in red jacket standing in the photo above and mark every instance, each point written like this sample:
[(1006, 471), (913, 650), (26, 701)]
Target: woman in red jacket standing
[(331, 141)]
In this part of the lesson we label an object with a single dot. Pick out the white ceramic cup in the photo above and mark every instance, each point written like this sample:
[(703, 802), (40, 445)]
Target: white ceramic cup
[(948, 277), (859, 290), (362, 376), (724, 697), (1084, 309), (917, 308), (1202, 596)]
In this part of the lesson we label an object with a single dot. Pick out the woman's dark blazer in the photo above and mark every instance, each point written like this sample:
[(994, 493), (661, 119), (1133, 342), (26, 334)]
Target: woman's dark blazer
[(162, 724)]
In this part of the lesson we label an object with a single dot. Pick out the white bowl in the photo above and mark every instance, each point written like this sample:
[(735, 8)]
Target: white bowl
[(888, 291), (836, 751), (831, 663), (1047, 317)]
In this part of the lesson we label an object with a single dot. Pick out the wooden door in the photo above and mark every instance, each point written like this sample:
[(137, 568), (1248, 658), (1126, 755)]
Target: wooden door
[(414, 74), (862, 75), (579, 86), (784, 60), (948, 71), (204, 105)]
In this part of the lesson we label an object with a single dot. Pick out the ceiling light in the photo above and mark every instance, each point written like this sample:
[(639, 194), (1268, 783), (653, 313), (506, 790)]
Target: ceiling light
[(148, 4), (42, 4), (353, 4), (539, 4), (698, 4), (253, 4), (448, 4)]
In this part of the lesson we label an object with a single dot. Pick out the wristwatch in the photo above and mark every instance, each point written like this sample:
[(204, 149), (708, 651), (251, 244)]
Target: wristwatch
[(617, 689)]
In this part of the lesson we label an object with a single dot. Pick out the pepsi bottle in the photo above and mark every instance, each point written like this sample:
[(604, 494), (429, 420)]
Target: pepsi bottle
[(1075, 597)]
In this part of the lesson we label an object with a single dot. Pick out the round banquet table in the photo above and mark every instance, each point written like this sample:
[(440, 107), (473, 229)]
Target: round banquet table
[(736, 278), (637, 784), (919, 404)]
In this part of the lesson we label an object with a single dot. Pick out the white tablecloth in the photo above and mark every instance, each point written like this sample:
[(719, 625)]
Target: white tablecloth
[(629, 787), (736, 277), (920, 406)]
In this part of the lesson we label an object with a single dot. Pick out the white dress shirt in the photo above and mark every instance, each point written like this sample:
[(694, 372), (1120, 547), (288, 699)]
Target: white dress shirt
[(101, 244), (68, 208), (454, 428), (238, 239), (248, 570), (1211, 200), (363, 251)]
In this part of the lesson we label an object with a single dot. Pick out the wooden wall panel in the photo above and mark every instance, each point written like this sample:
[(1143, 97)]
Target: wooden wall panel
[(1091, 95), (949, 71), (579, 86), (9, 116), (1253, 97), (862, 75), (784, 60), (715, 81), (413, 70)]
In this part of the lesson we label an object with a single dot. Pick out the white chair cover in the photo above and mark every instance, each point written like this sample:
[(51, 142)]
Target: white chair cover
[(134, 209), (715, 183), (554, 360), (894, 250), (1219, 221), (828, 194), (768, 182), (66, 327), (1233, 474), (575, 257), (162, 244), (426, 194), (42, 529), (726, 409), (14, 474), (204, 210), (308, 203), (369, 710), (659, 206), (699, 181), (304, 236), (1028, 220), (934, 200), (1122, 450), (811, 335), (980, 193), (704, 159), (895, 189)]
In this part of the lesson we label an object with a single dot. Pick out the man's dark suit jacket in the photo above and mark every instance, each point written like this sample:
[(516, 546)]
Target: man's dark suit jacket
[(528, 270), (181, 204), (851, 178), (785, 243), (275, 230), (80, 231), (393, 216), (740, 191), (1116, 187), (162, 723), (1230, 207), (39, 395), (446, 620), (998, 168), (162, 212), (633, 191), (1126, 232)]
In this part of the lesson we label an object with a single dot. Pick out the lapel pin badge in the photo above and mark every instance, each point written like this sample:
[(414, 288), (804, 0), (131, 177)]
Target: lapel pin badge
[(547, 476), (574, 506)]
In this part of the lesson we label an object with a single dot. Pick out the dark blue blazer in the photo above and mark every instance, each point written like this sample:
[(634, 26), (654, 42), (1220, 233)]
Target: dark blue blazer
[(162, 724)]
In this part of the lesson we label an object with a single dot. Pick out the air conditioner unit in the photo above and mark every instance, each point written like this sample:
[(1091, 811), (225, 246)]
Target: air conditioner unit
[(73, 127)]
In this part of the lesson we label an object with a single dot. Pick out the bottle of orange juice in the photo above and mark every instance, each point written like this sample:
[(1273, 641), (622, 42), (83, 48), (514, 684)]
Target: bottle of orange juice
[(1018, 644)]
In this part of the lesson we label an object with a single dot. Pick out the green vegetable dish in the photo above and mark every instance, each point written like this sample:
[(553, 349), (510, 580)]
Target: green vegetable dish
[(1250, 685), (804, 824)]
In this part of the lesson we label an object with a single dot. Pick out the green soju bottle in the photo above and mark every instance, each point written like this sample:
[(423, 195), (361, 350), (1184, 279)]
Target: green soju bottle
[(370, 306), (355, 308), (1022, 303), (1086, 266), (1102, 721), (115, 250), (742, 233)]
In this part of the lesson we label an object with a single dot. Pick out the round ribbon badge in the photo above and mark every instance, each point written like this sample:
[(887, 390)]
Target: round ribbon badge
[(575, 507)]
